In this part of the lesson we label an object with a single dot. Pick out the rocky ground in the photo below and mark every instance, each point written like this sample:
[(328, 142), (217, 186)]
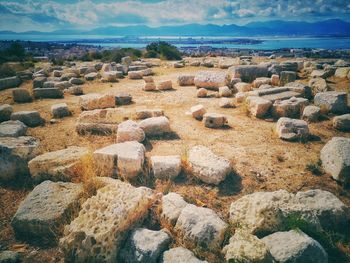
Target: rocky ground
[(248, 155)]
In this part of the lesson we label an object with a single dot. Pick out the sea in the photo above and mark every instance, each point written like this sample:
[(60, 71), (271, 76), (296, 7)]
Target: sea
[(268, 43)]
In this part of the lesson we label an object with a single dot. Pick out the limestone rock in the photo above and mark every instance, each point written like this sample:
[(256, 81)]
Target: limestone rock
[(207, 166), (214, 120), (75, 90), (243, 87), (155, 126), (60, 110), (240, 97), (5, 112), (275, 80), (130, 131), (180, 255), (123, 98), (333, 101), (39, 82), (135, 74), (148, 113), (94, 101), (202, 93), (248, 73), (29, 118), (211, 80), (292, 129), (258, 107), (311, 113), (172, 205), (21, 95), (166, 167), (198, 111), (342, 123), (342, 72), (12, 129), (291, 108), (185, 80), (261, 81), (318, 85), (76, 81), (287, 77), (225, 91), (91, 76), (165, 85), (226, 103)]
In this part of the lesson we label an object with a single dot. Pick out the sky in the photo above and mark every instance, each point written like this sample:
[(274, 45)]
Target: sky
[(49, 15)]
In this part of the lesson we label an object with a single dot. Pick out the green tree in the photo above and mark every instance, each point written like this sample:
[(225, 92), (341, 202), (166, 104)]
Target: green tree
[(163, 50)]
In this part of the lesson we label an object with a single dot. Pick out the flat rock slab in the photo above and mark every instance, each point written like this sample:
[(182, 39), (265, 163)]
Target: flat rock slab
[(58, 165), (258, 106), (43, 213), (94, 101), (130, 131), (211, 80), (207, 166), (166, 167), (12, 129), (180, 255), (29, 118), (155, 126), (96, 235)]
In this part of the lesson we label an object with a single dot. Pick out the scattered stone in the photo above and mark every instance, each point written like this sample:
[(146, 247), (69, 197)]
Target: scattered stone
[(258, 107), (248, 73), (234, 81), (135, 74), (287, 77), (43, 213), (5, 112), (311, 113), (226, 103), (21, 95), (292, 129), (261, 81), (155, 126), (333, 101), (130, 131), (48, 93), (166, 167), (60, 110), (275, 80), (123, 98), (94, 101), (149, 113), (201, 226), (149, 86), (10, 82), (240, 97), (202, 93), (172, 205), (39, 82), (214, 120), (335, 157), (48, 84), (29, 118), (211, 80), (91, 76), (185, 80), (180, 255), (342, 123), (165, 85), (198, 112), (207, 166), (76, 81), (8, 256), (57, 73), (243, 87), (98, 232), (62, 85), (111, 76), (291, 108), (75, 90), (342, 72), (225, 91), (295, 246), (318, 85), (145, 246), (12, 129)]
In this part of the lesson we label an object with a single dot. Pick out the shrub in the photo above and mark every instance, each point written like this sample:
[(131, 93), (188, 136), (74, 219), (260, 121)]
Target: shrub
[(6, 71), (116, 55), (315, 168), (15, 52), (163, 50)]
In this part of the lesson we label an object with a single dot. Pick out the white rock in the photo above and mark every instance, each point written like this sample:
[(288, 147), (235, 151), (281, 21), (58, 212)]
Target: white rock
[(342, 72), (226, 103), (166, 167), (149, 113), (261, 81), (333, 101), (291, 108), (94, 101), (311, 113), (292, 129), (211, 79), (243, 87), (240, 97), (214, 120), (202, 93), (258, 107), (318, 85), (198, 111), (342, 122), (172, 205), (155, 126), (185, 80), (275, 80), (130, 131)]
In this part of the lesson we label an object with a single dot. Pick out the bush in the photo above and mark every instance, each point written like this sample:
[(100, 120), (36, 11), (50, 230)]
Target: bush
[(116, 55), (15, 52), (6, 71), (163, 50)]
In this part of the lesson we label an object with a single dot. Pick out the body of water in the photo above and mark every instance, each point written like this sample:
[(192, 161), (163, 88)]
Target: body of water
[(269, 43)]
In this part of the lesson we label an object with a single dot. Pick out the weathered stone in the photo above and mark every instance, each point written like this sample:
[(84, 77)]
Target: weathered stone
[(318, 85), (248, 73), (10, 82), (261, 81), (57, 73), (91, 76), (180, 255), (225, 91), (234, 81), (333, 101), (240, 97), (96, 235), (295, 246), (149, 86), (211, 80), (111, 76), (311, 113), (226, 103), (287, 77), (202, 93), (39, 82), (201, 226), (155, 126), (207, 166), (342, 123), (61, 165), (29, 118), (48, 84), (335, 157), (166, 167), (76, 81), (135, 74), (5, 112), (214, 120), (62, 85), (12, 129), (245, 247), (8, 256), (291, 108), (198, 112), (149, 113), (148, 79), (275, 80), (284, 66), (48, 93), (130, 131), (43, 213), (75, 90), (165, 85), (342, 72), (60, 110), (145, 246), (258, 107), (242, 87), (123, 98), (172, 205), (103, 129), (21, 95), (292, 129), (94, 101), (185, 80)]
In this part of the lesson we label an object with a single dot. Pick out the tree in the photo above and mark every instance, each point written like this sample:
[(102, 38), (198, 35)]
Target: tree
[(163, 50)]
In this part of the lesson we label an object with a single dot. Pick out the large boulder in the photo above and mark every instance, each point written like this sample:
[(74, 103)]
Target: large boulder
[(258, 107), (12, 129), (291, 108), (333, 101), (292, 129), (155, 126), (98, 232), (214, 120), (335, 157), (5, 112), (42, 215), (172, 205), (311, 113), (9, 82), (342, 72), (211, 80), (21, 95), (342, 123), (180, 255), (130, 131), (318, 85), (248, 73), (61, 165), (166, 167), (29, 118), (94, 101), (207, 166), (201, 226), (295, 246)]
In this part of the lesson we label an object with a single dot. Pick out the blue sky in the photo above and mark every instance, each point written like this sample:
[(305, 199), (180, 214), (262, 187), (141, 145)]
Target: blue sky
[(24, 15)]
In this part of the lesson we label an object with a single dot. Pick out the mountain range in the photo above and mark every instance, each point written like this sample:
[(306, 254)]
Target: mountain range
[(332, 27)]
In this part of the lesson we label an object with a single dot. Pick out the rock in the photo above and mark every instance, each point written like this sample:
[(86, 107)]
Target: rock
[(123, 159), (234, 81), (319, 73), (245, 247), (62, 85), (75, 90), (10, 82), (123, 98), (5, 112), (335, 157), (287, 77), (165, 85), (145, 246), (226, 103), (292, 129), (185, 80), (248, 73), (166, 167), (211, 80), (57, 73), (48, 84), (39, 82), (295, 246), (198, 111), (135, 74), (130, 131), (261, 81), (48, 93), (21, 95), (342, 123), (43, 213), (311, 113), (148, 79), (172, 205), (12, 129), (94, 101), (76, 81), (214, 120), (29, 118), (60, 110), (243, 87), (8, 256), (265, 86), (91, 76), (284, 66), (275, 80), (61, 165), (258, 106), (111, 76), (14, 156), (180, 255), (202, 93), (303, 90), (318, 85), (126, 61), (333, 101), (155, 126), (291, 108), (99, 231), (240, 97), (207, 166), (201, 226), (341, 63), (149, 86), (225, 91), (148, 113), (342, 72), (178, 65)]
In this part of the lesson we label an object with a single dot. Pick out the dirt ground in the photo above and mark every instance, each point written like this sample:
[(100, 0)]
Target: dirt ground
[(261, 161)]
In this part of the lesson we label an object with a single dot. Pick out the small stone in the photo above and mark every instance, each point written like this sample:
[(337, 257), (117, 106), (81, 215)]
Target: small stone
[(342, 123), (166, 167), (123, 98), (261, 81), (39, 82), (29, 118), (240, 97), (243, 87), (258, 107), (275, 80), (198, 112), (185, 80), (202, 93), (94, 101), (214, 120), (165, 85), (318, 85), (291, 108), (287, 76), (148, 113), (225, 92), (60, 110), (226, 103), (75, 90), (292, 129)]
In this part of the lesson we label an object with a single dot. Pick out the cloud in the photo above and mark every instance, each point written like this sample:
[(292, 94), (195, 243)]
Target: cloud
[(93, 13)]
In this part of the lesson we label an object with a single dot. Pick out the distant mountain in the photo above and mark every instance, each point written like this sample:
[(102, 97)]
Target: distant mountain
[(333, 27)]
